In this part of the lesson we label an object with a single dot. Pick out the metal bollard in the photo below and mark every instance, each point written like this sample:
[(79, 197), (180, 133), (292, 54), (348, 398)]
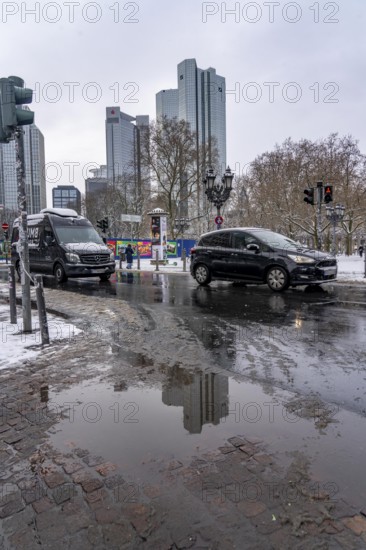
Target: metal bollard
[(157, 260), (42, 315), (12, 295), (138, 259), (184, 258)]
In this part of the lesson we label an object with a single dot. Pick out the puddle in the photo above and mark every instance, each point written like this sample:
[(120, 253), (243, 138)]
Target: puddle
[(141, 429)]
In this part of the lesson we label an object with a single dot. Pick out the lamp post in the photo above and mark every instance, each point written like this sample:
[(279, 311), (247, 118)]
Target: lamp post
[(334, 215), (218, 193)]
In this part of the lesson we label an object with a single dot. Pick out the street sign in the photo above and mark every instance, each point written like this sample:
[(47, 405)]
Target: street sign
[(5, 226), (219, 220), (130, 218)]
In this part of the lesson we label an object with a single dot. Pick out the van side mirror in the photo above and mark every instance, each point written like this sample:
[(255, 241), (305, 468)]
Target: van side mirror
[(49, 240)]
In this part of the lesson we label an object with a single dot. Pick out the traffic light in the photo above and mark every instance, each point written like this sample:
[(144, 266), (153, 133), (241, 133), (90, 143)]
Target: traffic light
[(13, 93), (100, 224), (6, 235), (309, 198), (328, 193), (105, 224)]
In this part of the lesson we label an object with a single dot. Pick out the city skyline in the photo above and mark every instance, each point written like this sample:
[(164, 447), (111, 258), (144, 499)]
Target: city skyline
[(291, 71)]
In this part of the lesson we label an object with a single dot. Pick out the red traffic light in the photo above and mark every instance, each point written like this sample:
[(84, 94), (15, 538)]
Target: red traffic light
[(5, 226), (328, 193)]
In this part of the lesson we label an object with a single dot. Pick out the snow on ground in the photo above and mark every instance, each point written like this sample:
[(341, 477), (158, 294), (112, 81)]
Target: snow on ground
[(17, 346), (351, 268)]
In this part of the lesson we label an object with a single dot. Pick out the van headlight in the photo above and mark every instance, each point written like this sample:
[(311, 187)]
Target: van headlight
[(301, 259), (72, 257)]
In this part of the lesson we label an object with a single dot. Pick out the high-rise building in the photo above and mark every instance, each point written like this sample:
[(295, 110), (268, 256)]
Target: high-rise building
[(66, 196), (35, 180), (123, 139), (199, 100), (167, 104)]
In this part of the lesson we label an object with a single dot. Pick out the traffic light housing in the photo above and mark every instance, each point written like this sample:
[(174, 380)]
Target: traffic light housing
[(13, 93), (309, 196), (6, 234), (103, 224), (328, 193)]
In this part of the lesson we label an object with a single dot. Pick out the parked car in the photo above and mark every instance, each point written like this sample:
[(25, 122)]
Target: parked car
[(257, 255), (63, 244)]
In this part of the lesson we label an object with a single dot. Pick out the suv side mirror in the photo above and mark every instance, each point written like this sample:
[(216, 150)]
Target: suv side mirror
[(253, 246)]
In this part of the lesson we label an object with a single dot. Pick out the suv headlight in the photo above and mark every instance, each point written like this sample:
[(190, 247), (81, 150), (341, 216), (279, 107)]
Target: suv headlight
[(72, 257), (301, 259), (112, 256)]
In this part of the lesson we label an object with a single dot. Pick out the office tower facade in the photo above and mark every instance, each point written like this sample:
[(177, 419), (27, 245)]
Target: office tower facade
[(35, 180), (200, 101), (123, 141), (167, 104), (66, 196), (98, 182)]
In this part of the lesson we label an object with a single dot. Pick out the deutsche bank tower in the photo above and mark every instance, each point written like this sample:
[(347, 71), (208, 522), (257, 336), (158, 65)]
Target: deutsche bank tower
[(199, 100)]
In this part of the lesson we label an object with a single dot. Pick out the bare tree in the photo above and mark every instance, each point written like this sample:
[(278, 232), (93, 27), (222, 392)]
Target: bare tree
[(271, 193), (177, 165)]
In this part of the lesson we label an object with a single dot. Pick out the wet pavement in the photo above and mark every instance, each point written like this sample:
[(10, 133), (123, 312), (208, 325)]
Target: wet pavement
[(185, 417)]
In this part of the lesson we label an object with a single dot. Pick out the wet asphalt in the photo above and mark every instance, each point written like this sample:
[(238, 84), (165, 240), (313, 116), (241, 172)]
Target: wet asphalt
[(286, 369)]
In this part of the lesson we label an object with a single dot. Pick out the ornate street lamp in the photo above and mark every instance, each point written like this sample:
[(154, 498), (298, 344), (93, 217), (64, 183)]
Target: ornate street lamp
[(218, 193), (335, 215)]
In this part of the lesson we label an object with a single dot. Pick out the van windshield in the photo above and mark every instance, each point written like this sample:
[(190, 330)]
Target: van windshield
[(77, 234)]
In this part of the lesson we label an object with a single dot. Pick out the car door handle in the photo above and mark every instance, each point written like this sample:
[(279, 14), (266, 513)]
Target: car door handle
[(234, 254)]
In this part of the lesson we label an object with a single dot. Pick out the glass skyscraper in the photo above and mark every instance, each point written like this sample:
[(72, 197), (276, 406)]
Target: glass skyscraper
[(199, 100), (123, 135), (35, 180)]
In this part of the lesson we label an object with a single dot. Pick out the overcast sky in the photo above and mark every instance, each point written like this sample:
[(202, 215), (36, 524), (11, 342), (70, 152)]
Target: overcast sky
[(292, 69)]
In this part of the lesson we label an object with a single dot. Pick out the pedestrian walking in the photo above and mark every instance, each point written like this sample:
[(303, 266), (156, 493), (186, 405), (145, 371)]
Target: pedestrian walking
[(129, 256), (360, 250)]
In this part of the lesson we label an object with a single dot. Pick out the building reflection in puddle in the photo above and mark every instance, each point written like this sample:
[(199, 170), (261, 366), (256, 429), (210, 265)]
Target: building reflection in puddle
[(204, 398)]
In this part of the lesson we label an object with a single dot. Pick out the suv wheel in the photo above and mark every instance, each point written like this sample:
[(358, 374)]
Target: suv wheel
[(59, 273), (277, 279), (202, 275)]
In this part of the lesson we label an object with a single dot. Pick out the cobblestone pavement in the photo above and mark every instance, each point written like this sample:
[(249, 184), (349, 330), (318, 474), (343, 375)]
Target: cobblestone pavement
[(235, 496)]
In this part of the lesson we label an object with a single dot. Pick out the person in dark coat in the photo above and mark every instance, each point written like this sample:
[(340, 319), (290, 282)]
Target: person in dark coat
[(129, 256), (360, 250)]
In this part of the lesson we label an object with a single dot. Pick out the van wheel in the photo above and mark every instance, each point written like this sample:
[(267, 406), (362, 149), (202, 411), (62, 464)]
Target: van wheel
[(59, 273), (277, 279), (105, 277), (202, 275)]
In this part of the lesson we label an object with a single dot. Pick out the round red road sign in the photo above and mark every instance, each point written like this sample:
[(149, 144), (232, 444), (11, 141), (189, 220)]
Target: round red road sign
[(219, 220), (5, 226)]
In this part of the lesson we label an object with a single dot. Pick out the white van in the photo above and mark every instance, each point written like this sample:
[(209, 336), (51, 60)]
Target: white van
[(63, 244)]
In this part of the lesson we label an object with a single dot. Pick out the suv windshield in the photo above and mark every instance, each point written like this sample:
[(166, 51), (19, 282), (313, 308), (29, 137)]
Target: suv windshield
[(77, 234), (276, 240)]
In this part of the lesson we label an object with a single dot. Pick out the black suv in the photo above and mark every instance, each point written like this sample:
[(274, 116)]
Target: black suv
[(256, 255)]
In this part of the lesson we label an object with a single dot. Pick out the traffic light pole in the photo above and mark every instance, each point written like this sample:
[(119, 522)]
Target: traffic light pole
[(23, 249), (319, 186)]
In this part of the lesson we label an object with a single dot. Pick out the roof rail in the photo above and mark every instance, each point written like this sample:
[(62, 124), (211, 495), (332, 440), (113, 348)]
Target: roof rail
[(64, 212)]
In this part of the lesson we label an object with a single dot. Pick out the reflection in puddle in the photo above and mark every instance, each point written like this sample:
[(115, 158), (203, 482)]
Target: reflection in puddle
[(138, 428), (204, 398)]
